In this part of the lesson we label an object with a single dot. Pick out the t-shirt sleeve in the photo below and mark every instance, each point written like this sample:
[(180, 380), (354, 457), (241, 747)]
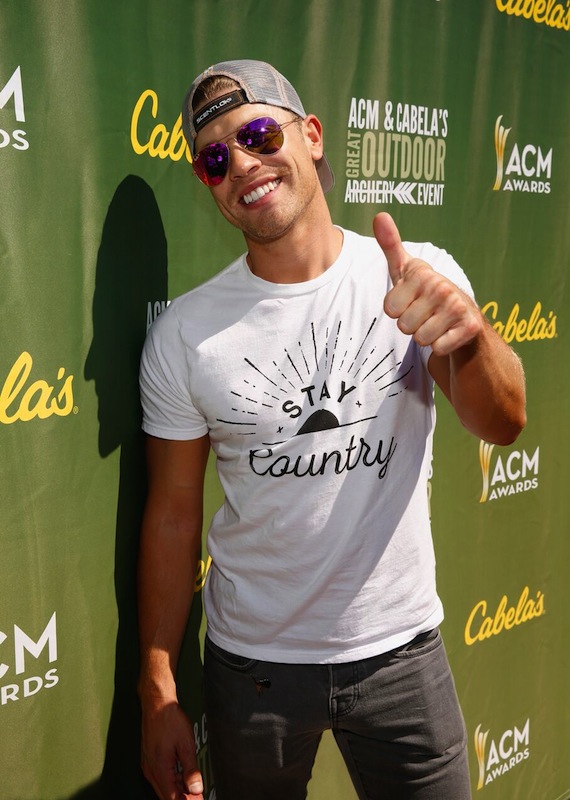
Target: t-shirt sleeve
[(168, 411), (442, 262)]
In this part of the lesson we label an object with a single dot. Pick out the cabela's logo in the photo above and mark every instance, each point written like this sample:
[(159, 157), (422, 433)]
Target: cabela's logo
[(21, 400), (509, 474), (158, 141), (528, 169), (542, 12), (499, 755), (483, 624), (537, 327)]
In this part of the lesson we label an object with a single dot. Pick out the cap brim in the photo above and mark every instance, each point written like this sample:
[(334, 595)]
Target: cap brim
[(325, 174)]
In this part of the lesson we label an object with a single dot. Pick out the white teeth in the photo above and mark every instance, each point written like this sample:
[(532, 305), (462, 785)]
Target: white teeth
[(260, 192)]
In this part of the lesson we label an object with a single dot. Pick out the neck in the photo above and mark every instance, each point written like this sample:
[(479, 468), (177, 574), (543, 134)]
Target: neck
[(302, 253)]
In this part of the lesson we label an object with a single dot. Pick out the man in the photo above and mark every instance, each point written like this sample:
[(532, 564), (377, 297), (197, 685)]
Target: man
[(308, 365)]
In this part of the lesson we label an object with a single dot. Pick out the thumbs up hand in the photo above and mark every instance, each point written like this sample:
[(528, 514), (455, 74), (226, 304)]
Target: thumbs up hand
[(426, 305)]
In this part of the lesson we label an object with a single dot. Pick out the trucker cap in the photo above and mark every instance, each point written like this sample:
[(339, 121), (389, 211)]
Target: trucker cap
[(259, 82)]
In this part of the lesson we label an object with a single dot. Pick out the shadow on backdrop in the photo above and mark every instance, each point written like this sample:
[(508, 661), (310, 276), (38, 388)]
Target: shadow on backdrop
[(131, 273)]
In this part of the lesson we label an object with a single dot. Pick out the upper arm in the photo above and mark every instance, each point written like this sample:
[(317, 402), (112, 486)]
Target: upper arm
[(176, 471)]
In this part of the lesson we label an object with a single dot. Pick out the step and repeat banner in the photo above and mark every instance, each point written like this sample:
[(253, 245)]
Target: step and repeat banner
[(454, 115)]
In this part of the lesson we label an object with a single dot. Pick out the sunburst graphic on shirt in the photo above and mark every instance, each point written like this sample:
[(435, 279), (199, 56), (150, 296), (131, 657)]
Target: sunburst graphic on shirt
[(312, 377)]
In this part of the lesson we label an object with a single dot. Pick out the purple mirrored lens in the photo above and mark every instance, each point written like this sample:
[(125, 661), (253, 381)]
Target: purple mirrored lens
[(211, 163), (262, 135)]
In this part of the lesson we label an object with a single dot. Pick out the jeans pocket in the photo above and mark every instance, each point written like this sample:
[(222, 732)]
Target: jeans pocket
[(422, 643), (230, 660)]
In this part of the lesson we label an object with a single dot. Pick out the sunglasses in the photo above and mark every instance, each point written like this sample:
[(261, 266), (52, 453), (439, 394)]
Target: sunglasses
[(263, 135)]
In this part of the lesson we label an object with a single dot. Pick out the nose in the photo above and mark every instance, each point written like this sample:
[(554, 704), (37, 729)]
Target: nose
[(242, 162)]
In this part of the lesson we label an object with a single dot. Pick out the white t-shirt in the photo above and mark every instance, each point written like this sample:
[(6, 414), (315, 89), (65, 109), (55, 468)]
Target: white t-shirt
[(320, 412)]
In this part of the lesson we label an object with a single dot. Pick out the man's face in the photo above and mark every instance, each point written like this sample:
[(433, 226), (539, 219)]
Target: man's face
[(288, 178)]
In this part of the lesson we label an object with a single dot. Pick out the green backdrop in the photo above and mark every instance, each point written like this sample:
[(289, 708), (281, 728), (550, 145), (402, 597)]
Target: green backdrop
[(453, 115)]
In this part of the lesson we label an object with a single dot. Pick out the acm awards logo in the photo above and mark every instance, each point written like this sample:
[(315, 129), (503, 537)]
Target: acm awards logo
[(17, 649), (528, 167), (507, 475), (500, 754), (13, 90), (153, 310)]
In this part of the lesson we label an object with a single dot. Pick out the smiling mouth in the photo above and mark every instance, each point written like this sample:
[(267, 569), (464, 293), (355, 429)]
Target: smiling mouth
[(260, 192)]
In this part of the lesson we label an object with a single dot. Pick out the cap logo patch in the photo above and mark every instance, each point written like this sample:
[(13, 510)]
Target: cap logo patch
[(219, 106)]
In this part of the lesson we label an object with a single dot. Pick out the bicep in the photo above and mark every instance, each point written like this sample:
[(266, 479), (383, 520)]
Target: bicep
[(176, 471)]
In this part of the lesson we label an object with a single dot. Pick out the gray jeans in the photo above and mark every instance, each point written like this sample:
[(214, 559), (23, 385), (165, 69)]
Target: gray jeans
[(395, 717)]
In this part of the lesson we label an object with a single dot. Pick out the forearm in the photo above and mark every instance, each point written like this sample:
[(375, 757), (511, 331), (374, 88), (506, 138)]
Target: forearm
[(484, 382), (167, 568), (170, 543), (166, 582)]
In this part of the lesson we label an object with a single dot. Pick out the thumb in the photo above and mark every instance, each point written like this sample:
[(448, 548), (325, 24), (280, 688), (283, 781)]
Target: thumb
[(192, 778), (388, 237)]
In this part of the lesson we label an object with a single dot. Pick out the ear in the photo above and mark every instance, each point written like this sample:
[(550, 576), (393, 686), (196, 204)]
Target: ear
[(313, 132)]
